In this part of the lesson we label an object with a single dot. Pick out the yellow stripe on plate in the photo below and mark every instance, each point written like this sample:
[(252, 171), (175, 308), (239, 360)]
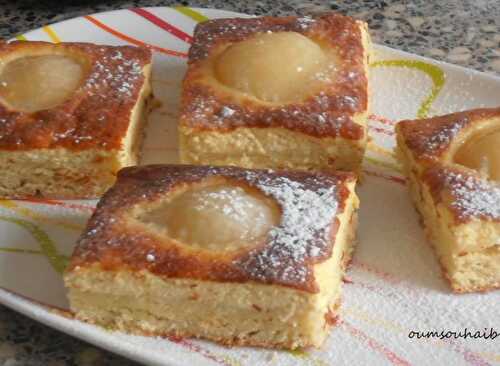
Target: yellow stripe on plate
[(19, 250), (436, 74), (51, 33), (193, 14), (32, 214), (47, 246), (21, 37)]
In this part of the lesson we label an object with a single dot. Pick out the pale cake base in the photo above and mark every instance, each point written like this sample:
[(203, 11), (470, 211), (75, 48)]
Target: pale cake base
[(229, 313), (66, 174), (468, 253), (57, 173), (276, 148)]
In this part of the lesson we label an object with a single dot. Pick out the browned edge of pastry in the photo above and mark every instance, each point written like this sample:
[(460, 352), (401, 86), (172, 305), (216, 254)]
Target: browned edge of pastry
[(109, 242), (328, 113), (97, 115)]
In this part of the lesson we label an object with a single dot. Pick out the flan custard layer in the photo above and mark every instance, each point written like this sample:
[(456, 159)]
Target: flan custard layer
[(72, 115), (280, 290), (277, 93), (454, 189)]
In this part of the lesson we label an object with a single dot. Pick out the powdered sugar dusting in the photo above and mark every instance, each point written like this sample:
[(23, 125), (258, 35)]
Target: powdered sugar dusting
[(430, 137), (96, 113), (473, 197), (338, 91), (304, 231), (114, 72), (305, 22), (230, 201), (232, 214), (227, 112), (208, 33), (444, 136)]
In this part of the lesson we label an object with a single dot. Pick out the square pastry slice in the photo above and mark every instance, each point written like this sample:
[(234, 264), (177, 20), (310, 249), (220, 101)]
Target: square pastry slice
[(71, 115), (453, 167), (241, 257), (279, 93)]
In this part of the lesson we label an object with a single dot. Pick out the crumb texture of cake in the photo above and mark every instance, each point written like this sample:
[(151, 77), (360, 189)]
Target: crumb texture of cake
[(262, 263), (452, 163), (71, 116), (277, 93)]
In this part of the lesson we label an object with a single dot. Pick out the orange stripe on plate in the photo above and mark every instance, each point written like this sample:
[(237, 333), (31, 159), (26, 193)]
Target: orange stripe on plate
[(391, 178), (381, 130), (382, 119), (163, 24), (52, 35), (132, 40), (392, 357)]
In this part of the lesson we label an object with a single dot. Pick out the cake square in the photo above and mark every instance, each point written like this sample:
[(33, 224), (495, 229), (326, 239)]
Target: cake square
[(240, 257), (453, 167), (283, 93), (71, 116)]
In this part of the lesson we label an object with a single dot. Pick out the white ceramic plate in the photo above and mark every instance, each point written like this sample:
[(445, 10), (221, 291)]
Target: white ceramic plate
[(394, 286)]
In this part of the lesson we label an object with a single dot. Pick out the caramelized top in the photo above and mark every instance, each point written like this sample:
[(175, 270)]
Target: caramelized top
[(95, 114), (208, 104), (429, 139), (305, 235), (456, 156), (465, 194)]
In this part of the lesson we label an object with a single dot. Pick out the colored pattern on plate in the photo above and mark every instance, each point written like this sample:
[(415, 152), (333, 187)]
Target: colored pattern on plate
[(394, 284)]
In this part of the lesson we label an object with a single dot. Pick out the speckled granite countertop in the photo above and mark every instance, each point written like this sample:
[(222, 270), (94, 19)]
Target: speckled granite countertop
[(464, 32)]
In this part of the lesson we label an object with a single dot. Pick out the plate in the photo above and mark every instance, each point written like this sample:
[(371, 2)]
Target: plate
[(394, 285)]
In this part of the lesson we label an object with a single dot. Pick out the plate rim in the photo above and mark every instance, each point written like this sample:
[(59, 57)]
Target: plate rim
[(45, 315)]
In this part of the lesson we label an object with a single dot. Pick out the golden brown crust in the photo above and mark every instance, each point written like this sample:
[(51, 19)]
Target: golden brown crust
[(114, 244), (178, 337), (98, 113), (466, 195), (431, 143), (428, 139), (329, 113), (429, 146)]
